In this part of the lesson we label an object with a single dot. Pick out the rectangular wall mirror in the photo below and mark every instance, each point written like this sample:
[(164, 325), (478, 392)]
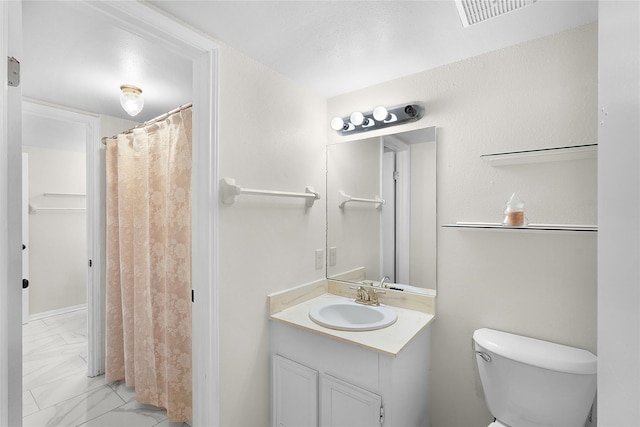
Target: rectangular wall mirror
[(381, 210)]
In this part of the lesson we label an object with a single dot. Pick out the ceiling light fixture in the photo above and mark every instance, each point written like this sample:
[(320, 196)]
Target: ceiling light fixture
[(131, 99), (380, 117)]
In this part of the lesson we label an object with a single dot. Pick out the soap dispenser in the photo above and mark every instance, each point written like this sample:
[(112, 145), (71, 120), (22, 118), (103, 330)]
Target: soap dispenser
[(514, 212)]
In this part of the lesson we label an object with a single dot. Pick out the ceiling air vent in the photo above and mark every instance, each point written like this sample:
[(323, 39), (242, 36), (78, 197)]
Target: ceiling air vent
[(474, 11)]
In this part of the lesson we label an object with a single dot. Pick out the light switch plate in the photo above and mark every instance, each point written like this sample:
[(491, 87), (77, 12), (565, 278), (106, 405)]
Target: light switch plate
[(319, 259)]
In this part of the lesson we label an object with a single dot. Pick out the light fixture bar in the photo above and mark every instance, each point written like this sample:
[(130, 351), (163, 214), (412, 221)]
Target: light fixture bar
[(360, 122)]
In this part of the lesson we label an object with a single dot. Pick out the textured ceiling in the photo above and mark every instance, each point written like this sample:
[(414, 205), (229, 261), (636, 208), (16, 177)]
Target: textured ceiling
[(75, 57), (335, 47)]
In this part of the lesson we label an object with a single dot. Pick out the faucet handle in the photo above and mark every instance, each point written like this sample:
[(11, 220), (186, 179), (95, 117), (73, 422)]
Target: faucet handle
[(374, 296), (362, 295)]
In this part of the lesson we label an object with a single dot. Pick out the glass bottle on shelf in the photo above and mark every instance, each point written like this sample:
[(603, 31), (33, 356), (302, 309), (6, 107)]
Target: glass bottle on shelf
[(514, 212)]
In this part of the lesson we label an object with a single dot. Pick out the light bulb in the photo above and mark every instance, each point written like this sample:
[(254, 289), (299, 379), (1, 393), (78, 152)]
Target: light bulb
[(337, 123), (380, 113), (357, 118), (131, 99)]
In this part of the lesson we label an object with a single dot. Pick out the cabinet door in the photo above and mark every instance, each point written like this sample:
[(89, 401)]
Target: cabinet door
[(295, 394), (345, 405)]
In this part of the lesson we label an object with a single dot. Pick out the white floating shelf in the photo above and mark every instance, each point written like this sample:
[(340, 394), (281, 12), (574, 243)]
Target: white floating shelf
[(574, 152), (529, 227)]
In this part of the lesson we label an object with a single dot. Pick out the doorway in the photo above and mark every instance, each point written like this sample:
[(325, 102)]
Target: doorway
[(55, 224), (143, 21), (65, 209)]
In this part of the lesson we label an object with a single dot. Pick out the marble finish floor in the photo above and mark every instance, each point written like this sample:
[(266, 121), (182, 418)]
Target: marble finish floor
[(56, 389)]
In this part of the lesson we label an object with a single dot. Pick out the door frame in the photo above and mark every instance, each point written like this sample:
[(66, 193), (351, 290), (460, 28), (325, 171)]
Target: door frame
[(147, 22), (25, 237), (401, 206), (10, 221), (95, 221)]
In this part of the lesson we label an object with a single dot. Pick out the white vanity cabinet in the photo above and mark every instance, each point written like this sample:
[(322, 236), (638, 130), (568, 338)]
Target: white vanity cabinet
[(325, 381), (345, 404), (294, 393)]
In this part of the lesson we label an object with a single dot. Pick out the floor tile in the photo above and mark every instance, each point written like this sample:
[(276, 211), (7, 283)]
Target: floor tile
[(72, 385), (57, 391), (132, 414), (44, 372), (167, 423), (29, 405), (77, 410), (74, 337), (126, 393), (42, 343)]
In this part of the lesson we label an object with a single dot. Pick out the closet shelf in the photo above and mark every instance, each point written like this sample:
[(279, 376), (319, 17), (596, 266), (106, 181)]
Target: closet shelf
[(530, 227), (574, 152)]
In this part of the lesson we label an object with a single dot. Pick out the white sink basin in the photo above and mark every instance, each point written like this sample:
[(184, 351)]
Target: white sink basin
[(350, 316)]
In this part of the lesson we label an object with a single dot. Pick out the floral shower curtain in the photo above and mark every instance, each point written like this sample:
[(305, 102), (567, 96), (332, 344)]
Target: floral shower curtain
[(148, 316)]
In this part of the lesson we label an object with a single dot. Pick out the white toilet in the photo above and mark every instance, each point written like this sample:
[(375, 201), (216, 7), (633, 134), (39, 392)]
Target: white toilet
[(533, 383)]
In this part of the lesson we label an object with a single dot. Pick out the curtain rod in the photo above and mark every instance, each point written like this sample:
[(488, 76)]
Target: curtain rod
[(150, 122)]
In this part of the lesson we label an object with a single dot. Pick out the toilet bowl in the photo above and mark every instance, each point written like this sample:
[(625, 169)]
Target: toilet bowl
[(533, 383)]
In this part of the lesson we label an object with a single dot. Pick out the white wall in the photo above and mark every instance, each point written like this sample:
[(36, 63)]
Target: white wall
[(58, 239), (619, 210), (271, 136), (535, 95)]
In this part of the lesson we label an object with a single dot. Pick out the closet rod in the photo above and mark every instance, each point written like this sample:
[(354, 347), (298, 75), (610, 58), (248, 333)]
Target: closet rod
[(34, 209), (230, 190), (46, 194), (150, 122)]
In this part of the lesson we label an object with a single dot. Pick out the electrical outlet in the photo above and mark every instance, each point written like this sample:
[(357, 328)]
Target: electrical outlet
[(319, 259), (333, 255)]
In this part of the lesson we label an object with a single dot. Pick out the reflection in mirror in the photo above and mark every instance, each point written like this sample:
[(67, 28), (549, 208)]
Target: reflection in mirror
[(367, 240)]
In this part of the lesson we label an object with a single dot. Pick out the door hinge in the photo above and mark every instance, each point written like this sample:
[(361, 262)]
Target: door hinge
[(90, 263), (396, 175), (193, 298), (13, 71), (381, 414)]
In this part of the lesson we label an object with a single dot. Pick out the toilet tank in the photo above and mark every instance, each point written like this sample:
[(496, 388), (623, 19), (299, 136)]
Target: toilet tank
[(532, 383)]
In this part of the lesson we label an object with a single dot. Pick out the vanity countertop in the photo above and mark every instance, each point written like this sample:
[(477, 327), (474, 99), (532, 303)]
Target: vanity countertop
[(390, 340)]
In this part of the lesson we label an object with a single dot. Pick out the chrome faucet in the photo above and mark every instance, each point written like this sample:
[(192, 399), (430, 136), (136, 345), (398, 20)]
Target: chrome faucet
[(384, 279)]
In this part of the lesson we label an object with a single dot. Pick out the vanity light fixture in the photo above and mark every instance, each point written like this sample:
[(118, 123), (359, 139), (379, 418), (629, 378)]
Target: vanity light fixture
[(381, 114), (357, 118), (131, 99), (380, 117)]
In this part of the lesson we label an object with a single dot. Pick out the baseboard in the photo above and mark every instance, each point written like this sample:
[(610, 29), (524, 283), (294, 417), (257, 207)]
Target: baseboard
[(57, 312)]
